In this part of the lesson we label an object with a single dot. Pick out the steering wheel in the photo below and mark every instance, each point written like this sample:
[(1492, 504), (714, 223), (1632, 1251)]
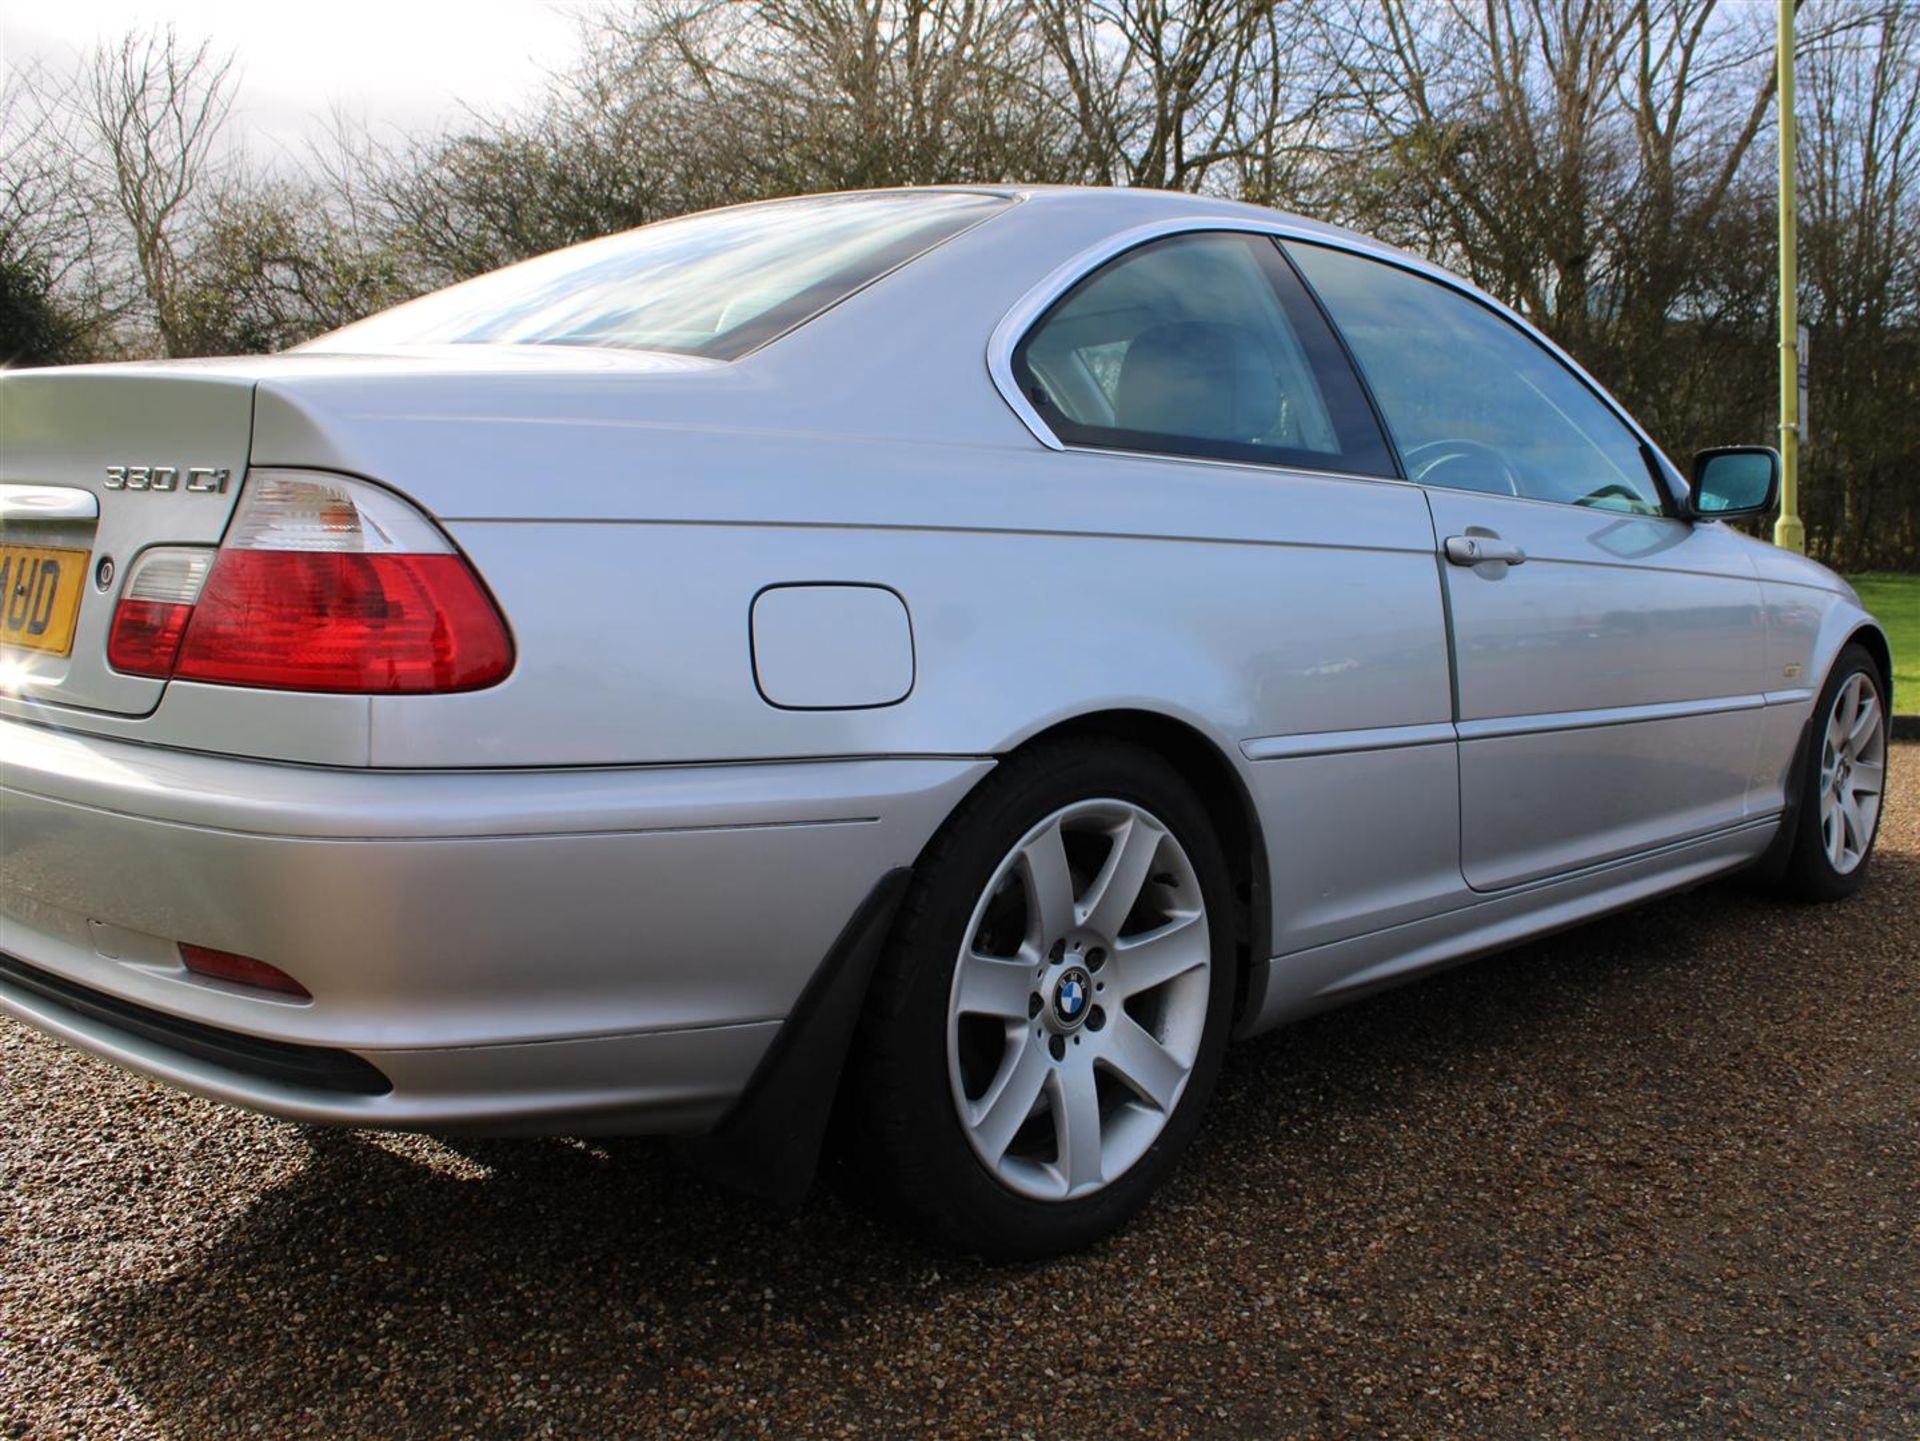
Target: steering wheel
[(1631, 501), (1493, 475)]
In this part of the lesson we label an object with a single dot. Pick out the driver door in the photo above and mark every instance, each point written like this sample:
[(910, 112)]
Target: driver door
[(1608, 656), (1607, 685)]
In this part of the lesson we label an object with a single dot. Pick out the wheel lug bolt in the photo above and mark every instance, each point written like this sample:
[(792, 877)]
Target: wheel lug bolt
[(1058, 953), (1097, 957), (1033, 1005), (1096, 1018), (1058, 1045)]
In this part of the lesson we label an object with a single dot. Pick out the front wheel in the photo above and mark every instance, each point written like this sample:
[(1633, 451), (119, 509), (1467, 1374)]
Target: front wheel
[(1043, 1035), (1844, 772)]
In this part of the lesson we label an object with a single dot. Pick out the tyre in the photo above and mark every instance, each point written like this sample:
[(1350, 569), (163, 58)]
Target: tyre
[(1843, 775), (1042, 1036)]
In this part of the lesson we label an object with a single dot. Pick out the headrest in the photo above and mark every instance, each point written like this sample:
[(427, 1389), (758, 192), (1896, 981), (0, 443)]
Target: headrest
[(1198, 378)]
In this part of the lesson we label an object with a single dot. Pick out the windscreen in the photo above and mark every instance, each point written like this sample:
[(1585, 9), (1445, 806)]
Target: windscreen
[(717, 284)]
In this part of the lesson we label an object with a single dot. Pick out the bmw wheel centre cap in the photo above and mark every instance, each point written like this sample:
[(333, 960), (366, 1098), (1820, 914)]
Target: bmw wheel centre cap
[(1072, 995)]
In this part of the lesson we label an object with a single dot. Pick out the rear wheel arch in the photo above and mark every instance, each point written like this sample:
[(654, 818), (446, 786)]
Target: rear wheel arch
[(1228, 803), (919, 1127)]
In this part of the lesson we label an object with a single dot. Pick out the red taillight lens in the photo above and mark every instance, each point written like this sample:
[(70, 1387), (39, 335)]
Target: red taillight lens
[(323, 584), (241, 970), (146, 636), (310, 620)]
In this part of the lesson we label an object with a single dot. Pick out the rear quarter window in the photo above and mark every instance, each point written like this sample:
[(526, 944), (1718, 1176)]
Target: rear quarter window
[(1201, 344)]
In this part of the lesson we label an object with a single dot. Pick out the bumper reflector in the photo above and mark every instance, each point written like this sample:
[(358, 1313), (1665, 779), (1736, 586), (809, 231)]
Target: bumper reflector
[(240, 970)]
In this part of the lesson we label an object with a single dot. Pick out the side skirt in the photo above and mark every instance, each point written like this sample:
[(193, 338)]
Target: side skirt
[(1322, 977)]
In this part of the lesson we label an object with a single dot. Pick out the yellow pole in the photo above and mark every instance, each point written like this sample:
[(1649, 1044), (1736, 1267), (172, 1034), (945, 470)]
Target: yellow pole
[(1787, 530)]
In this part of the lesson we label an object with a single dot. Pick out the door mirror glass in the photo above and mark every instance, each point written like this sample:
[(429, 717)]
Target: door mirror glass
[(1735, 480)]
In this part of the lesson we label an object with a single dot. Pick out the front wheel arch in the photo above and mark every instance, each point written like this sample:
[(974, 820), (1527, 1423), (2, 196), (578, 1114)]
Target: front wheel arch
[(1770, 870), (1873, 641), (1801, 868)]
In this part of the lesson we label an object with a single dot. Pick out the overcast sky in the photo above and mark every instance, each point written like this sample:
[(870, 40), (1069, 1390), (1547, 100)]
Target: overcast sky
[(409, 63)]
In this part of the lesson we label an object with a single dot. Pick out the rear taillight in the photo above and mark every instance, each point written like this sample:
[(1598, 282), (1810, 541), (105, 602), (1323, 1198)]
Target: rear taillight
[(322, 584), (155, 606)]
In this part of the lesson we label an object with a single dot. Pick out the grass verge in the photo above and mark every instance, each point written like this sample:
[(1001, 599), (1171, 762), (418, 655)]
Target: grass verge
[(1895, 602)]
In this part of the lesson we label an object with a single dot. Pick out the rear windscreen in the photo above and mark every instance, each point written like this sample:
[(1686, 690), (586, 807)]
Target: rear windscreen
[(717, 284)]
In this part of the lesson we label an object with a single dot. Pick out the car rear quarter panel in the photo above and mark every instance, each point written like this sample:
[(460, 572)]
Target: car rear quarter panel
[(1038, 586), (1041, 588)]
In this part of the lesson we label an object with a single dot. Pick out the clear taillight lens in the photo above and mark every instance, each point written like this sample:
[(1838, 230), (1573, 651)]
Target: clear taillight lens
[(322, 584)]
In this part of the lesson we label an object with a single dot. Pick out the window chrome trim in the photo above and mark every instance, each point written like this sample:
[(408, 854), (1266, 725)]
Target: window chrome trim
[(1030, 307)]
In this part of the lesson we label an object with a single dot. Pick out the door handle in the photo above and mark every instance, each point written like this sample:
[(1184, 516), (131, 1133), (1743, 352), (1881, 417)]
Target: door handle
[(1479, 549)]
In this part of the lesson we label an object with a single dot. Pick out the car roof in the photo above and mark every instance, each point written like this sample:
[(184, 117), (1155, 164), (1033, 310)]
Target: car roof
[(1129, 206)]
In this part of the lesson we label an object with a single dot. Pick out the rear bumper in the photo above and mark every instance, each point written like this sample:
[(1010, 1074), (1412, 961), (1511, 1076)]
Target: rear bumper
[(508, 950)]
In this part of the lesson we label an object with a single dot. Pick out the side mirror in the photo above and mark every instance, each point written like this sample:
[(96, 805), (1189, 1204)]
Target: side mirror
[(1734, 480)]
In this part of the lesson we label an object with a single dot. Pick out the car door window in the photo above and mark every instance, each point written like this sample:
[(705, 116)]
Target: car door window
[(1202, 344), (1473, 402)]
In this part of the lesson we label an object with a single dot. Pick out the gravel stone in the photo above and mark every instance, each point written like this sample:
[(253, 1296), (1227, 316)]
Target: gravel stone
[(1659, 1176)]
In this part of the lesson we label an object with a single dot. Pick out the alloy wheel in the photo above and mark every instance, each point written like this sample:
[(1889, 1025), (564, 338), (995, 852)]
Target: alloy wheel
[(1853, 764), (1079, 999)]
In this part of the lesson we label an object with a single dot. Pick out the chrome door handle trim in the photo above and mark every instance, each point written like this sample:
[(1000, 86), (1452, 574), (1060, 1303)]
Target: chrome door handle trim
[(1479, 549)]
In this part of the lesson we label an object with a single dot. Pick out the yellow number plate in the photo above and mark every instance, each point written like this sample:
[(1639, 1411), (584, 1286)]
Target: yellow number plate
[(40, 592)]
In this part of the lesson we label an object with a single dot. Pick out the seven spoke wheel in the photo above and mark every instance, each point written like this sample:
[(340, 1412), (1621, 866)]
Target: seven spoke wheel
[(1079, 999), (1853, 765), (1042, 1034)]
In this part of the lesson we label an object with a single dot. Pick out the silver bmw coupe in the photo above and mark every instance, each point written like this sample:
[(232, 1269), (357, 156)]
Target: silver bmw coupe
[(951, 659)]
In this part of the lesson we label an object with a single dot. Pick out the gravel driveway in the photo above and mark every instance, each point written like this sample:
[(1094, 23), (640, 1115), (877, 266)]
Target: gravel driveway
[(1657, 1176)]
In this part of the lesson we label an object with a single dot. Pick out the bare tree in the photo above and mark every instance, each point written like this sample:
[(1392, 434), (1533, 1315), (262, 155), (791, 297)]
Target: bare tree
[(679, 106), (1860, 250), (153, 109), (1597, 164), (1163, 93), (850, 93), (54, 299)]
